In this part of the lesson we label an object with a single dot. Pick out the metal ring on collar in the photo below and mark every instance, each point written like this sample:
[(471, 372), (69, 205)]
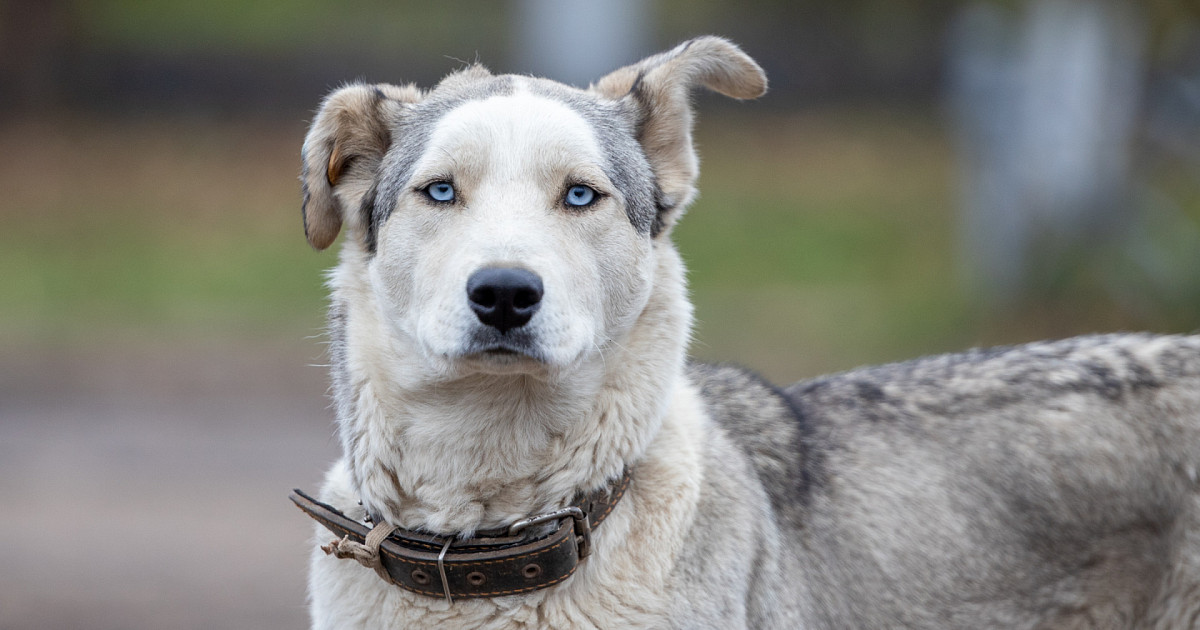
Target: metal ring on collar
[(583, 529)]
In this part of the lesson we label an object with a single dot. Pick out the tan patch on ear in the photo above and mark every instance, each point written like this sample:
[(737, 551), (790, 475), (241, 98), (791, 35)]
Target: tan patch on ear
[(334, 168), (658, 87), (342, 153)]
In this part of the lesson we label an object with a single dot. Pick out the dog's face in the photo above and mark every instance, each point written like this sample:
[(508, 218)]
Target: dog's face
[(509, 246), (509, 224)]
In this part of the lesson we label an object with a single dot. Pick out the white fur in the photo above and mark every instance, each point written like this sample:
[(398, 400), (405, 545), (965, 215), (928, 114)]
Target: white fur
[(441, 440)]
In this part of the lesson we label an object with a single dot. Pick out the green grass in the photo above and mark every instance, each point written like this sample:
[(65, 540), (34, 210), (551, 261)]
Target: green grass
[(74, 281), (159, 229), (821, 241)]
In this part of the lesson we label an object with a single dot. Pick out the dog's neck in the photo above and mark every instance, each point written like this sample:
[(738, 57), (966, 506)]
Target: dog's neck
[(483, 451)]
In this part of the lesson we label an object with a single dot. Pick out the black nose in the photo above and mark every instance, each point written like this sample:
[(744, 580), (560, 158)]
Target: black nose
[(504, 298)]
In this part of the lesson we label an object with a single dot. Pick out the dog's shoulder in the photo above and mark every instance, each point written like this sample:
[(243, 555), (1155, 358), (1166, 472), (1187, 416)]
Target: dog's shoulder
[(736, 396), (765, 424)]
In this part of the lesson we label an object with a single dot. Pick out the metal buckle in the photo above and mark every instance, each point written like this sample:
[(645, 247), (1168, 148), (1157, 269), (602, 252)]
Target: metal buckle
[(583, 528)]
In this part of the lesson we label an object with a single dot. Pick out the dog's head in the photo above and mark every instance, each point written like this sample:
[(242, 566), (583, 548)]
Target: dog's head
[(508, 224)]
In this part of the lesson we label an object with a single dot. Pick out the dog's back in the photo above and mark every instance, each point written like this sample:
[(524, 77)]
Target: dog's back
[(1053, 484)]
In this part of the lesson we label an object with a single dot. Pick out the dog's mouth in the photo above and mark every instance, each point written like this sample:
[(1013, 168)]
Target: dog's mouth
[(505, 354), (503, 349), (503, 360)]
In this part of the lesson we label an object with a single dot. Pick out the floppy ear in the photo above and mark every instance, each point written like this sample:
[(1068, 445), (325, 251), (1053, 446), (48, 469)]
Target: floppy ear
[(658, 88), (342, 153)]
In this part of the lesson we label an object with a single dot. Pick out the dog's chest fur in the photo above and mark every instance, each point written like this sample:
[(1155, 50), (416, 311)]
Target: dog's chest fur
[(626, 581)]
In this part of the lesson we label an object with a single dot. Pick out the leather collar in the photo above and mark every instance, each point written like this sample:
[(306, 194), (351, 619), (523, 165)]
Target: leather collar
[(522, 558)]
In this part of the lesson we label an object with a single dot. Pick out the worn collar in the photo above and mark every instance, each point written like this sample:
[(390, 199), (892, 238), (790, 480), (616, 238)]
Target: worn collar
[(518, 559)]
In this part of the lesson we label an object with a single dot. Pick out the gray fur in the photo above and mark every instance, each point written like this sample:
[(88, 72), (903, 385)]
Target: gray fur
[(1046, 485), (342, 385)]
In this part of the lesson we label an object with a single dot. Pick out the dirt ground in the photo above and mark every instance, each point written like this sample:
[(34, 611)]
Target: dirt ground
[(147, 487)]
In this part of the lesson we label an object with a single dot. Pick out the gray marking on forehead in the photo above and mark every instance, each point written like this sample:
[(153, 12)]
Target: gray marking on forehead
[(613, 122), (615, 125), (411, 134)]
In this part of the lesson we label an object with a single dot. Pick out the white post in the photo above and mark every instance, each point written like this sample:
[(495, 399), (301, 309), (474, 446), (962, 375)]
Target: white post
[(1046, 102), (578, 41)]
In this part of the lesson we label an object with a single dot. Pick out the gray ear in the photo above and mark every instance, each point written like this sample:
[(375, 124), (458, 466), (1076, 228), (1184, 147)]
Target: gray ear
[(658, 88), (342, 152)]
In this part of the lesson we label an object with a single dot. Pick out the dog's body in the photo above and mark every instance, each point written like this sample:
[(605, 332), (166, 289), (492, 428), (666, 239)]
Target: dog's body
[(509, 323)]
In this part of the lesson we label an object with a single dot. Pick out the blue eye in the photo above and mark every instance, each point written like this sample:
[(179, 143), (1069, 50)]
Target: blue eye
[(440, 191), (580, 195)]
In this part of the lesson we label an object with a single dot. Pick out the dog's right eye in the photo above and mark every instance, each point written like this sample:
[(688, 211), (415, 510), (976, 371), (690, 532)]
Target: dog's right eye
[(441, 192)]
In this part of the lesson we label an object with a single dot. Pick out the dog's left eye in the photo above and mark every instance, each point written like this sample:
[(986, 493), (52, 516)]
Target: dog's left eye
[(580, 195), (440, 191)]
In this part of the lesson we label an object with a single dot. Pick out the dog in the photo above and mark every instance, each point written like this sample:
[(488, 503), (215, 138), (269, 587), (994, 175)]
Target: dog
[(508, 324)]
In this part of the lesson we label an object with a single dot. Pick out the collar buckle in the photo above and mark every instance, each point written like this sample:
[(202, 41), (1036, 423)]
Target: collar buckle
[(583, 528)]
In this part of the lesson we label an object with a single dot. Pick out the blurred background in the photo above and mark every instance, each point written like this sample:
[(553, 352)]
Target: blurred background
[(924, 176)]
